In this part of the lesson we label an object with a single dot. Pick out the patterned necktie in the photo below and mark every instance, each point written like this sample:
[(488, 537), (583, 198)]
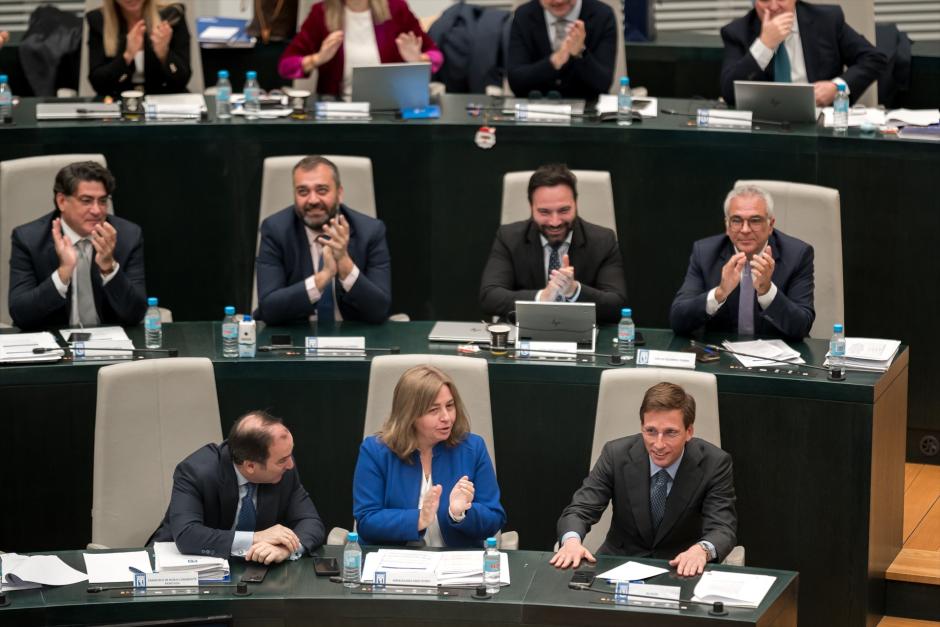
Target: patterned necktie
[(561, 31), (658, 496), (325, 304), (82, 290), (746, 303), (247, 515), (781, 65), (554, 263)]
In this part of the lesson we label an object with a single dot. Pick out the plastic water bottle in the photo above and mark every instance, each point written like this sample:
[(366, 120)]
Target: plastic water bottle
[(837, 352), (247, 337), (491, 566), (223, 96), (352, 561), (6, 100), (624, 103), (626, 334), (840, 110), (229, 333), (153, 326), (252, 93)]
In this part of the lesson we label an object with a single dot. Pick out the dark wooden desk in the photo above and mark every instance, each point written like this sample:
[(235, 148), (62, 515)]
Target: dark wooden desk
[(292, 594), (819, 466)]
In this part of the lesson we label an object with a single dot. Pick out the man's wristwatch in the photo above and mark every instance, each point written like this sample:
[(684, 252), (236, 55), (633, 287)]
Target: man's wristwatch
[(708, 551)]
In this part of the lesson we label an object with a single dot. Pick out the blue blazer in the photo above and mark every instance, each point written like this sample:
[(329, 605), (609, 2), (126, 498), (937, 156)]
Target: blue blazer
[(201, 515), (829, 45), (386, 491), (790, 315), (35, 303), (284, 262)]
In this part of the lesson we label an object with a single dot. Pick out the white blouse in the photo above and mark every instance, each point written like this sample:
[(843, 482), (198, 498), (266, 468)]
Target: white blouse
[(359, 46), (432, 535)]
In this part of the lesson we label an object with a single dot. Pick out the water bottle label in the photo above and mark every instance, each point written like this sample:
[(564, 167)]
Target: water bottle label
[(230, 331), (491, 563), (152, 323), (223, 94), (351, 560)]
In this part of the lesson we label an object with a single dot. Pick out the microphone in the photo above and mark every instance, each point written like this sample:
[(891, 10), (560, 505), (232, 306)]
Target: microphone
[(136, 352), (721, 349), (717, 607)]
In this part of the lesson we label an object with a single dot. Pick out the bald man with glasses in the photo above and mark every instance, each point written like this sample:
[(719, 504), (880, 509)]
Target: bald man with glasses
[(752, 280), (78, 266)]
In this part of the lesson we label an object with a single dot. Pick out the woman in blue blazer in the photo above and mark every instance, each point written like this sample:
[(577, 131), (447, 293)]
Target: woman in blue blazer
[(424, 478)]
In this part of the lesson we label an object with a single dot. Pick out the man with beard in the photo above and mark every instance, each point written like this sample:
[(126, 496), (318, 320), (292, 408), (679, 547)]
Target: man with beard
[(319, 259), (554, 255)]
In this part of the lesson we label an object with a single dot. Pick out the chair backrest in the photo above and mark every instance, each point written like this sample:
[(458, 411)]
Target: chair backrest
[(470, 375), (813, 214), (196, 82), (309, 83), (595, 197), (150, 415), (277, 190), (619, 397), (26, 194)]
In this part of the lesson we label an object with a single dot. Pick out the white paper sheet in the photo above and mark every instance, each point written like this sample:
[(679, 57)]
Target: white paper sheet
[(450, 568), (115, 567), (632, 571), (18, 347), (732, 588), (48, 570), (9, 561)]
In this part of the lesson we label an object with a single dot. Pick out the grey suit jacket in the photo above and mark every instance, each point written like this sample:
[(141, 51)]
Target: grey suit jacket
[(700, 504)]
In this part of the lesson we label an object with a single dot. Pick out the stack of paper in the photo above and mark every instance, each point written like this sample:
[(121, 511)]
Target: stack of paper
[(223, 32), (646, 107), (21, 572), (18, 348), (732, 588), (115, 567), (167, 558), (765, 353), (106, 343), (868, 355), (898, 117), (431, 568)]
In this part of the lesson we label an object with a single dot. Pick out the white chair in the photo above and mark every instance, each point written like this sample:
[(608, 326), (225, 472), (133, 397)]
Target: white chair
[(813, 214), (196, 82), (277, 191), (471, 377), (619, 397), (151, 414), (595, 197), (26, 194)]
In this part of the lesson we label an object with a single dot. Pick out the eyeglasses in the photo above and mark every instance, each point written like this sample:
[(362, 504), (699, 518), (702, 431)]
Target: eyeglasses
[(668, 434), (755, 222), (88, 201)]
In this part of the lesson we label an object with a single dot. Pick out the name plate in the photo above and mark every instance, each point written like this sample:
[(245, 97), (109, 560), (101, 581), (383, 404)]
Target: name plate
[(723, 118), (342, 110), (666, 359), (183, 579), (405, 577), (650, 595), (542, 112), (321, 346), (529, 349)]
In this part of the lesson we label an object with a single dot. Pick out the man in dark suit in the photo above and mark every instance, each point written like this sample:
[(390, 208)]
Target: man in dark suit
[(242, 497), (320, 259), (773, 272), (672, 495), (554, 256), (792, 41), (77, 265), (564, 46)]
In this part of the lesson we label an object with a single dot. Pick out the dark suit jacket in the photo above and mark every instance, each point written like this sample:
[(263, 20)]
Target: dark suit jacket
[(205, 498), (36, 304), (516, 268), (284, 262), (700, 504), (110, 75), (829, 45), (529, 50), (791, 313)]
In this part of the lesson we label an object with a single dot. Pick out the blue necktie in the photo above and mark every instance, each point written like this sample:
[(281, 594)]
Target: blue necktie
[(781, 65), (554, 263), (247, 516), (746, 303), (658, 496), (325, 304)]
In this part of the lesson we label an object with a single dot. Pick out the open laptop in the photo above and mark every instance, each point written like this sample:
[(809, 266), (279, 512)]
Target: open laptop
[(777, 102), (392, 86), (463, 332), (557, 322), (77, 111)]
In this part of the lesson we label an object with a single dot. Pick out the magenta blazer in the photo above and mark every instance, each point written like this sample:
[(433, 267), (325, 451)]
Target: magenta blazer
[(330, 74)]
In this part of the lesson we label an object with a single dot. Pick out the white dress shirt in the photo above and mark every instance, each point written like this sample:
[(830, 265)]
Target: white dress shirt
[(359, 46), (63, 287), (316, 252)]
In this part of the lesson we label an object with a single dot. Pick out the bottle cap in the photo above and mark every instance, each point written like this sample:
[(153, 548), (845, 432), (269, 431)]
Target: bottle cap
[(152, 302), (837, 328), (246, 317), (491, 543), (352, 536), (626, 312), (251, 75), (229, 311), (223, 73), (840, 86), (4, 78), (624, 80)]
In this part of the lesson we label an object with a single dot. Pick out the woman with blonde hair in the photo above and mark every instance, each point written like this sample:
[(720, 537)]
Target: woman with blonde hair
[(424, 478), (339, 35), (138, 44)]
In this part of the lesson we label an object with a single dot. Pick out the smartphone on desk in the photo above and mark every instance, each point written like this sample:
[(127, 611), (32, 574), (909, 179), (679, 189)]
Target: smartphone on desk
[(254, 573), (325, 566), (702, 355), (581, 579)]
